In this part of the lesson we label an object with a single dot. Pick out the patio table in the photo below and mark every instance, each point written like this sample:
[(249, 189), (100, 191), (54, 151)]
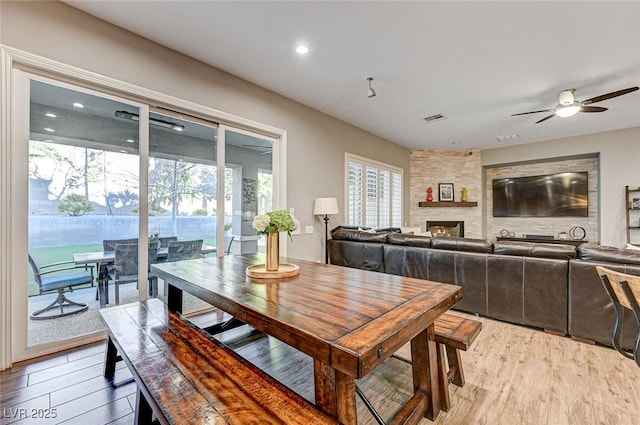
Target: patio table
[(106, 257)]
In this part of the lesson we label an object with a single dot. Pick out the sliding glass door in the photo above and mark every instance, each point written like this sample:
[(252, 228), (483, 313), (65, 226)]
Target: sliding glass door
[(91, 172), (83, 189), (249, 185)]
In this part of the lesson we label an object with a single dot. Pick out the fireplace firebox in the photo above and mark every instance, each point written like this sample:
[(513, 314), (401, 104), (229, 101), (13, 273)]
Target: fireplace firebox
[(446, 228)]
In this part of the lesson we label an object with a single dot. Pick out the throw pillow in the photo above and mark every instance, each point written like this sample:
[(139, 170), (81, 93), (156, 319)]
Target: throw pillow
[(360, 229), (409, 230)]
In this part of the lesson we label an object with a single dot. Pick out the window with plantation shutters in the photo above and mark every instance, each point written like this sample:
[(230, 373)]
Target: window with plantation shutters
[(374, 193)]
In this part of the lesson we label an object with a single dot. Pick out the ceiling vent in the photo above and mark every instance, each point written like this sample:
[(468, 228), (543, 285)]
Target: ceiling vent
[(508, 138), (436, 117)]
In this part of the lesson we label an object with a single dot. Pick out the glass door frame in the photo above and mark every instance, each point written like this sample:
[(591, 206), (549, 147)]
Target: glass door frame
[(19, 145), (278, 158)]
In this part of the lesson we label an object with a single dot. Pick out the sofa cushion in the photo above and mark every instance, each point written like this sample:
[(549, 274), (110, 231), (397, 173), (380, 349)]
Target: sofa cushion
[(535, 249), (409, 240), (595, 252), (341, 233), (462, 244)]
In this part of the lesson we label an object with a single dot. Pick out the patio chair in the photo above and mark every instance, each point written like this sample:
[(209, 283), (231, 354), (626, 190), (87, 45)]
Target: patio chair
[(125, 267), (59, 278), (164, 241), (184, 250), (109, 245)]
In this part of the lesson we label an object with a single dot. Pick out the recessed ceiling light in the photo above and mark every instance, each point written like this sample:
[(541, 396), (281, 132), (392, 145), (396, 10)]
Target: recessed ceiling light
[(178, 127), (50, 130), (78, 105), (301, 49), (457, 142), (130, 141), (50, 115)]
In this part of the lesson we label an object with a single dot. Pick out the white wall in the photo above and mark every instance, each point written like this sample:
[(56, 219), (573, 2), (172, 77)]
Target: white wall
[(316, 142), (619, 166)]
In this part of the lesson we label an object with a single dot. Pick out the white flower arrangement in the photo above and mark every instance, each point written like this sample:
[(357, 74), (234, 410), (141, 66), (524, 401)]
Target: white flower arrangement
[(275, 221)]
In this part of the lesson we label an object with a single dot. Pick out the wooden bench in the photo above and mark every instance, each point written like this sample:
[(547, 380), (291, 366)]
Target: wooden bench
[(186, 377), (453, 333)]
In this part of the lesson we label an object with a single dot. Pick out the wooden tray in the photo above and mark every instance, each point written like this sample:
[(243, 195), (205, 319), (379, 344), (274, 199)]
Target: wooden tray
[(259, 271)]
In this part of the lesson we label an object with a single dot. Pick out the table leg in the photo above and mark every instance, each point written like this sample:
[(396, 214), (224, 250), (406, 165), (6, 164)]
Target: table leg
[(174, 298), (425, 370), (325, 388), (103, 284), (103, 292), (335, 393), (346, 392)]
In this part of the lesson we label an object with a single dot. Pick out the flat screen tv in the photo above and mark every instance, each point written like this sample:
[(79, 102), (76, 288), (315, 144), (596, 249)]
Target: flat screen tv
[(553, 195)]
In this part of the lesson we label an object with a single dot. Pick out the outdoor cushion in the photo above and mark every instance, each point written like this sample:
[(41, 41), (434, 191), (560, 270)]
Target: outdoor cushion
[(52, 281)]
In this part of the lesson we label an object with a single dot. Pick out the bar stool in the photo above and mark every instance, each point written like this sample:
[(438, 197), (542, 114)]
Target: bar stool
[(624, 290)]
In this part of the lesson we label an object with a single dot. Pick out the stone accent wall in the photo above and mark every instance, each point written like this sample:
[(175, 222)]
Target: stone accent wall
[(545, 225), (462, 168)]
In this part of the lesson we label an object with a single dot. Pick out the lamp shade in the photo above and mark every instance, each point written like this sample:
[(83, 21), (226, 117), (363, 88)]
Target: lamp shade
[(325, 206)]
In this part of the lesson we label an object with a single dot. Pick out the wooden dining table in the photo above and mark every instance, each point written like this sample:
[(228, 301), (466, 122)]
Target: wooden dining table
[(348, 320)]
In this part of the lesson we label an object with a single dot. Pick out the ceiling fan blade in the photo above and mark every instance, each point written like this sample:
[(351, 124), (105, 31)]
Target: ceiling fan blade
[(532, 112), (545, 118), (593, 109), (609, 95)]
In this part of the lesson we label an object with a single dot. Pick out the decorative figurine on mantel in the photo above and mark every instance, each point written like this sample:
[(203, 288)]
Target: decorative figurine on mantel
[(429, 194), (464, 197)]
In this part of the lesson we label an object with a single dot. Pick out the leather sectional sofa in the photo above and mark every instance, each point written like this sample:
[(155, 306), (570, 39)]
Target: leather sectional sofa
[(549, 286)]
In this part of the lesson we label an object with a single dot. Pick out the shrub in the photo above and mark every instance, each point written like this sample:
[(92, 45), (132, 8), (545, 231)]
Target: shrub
[(75, 205), (200, 211)]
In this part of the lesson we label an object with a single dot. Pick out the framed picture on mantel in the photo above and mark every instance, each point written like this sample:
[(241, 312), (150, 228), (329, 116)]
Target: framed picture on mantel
[(445, 192)]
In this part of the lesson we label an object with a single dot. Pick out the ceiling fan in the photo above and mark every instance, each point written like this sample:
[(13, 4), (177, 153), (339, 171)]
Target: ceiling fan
[(568, 106)]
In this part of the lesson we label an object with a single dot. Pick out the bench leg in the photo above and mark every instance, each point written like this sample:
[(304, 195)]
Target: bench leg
[(111, 357), (143, 414), (443, 380), (455, 365)]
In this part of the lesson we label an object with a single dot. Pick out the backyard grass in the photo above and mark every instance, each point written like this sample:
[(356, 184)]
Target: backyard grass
[(55, 254)]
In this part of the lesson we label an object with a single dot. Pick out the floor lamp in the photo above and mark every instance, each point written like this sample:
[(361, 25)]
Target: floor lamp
[(326, 207)]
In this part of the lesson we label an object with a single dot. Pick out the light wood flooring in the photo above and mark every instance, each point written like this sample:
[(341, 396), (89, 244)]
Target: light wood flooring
[(514, 376)]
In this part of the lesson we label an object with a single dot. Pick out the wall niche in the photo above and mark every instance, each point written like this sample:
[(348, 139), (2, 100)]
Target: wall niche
[(545, 225)]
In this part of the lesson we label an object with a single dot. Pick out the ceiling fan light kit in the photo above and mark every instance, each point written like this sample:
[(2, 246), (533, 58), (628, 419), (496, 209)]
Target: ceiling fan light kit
[(565, 111), (568, 106)]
